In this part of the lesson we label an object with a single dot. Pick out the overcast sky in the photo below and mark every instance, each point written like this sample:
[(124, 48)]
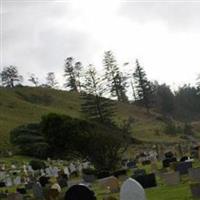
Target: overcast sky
[(38, 35)]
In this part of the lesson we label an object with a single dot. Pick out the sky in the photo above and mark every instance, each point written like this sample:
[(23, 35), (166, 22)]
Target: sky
[(36, 36)]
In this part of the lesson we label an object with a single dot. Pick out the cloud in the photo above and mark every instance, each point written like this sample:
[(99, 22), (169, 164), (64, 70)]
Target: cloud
[(178, 15), (37, 37)]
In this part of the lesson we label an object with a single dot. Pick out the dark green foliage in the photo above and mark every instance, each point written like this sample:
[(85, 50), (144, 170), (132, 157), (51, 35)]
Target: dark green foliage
[(187, 100), (143, 86), (57, 130), (72, 73), (116, 82), (30, 140), (164, 99), (37, 164), (63, 136), (10, 76)]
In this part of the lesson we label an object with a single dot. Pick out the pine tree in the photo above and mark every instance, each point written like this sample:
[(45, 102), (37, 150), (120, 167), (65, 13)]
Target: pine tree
[(51, 80), (10, 76), (33, 79), (72, 73), (116, 80), (93, 104), (143, 86)]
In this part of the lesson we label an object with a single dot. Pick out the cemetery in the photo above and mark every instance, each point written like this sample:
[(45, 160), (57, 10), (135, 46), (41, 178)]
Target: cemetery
[(150, 175)]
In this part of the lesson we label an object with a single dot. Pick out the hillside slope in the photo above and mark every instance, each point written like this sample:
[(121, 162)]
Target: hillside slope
[(27, 104)]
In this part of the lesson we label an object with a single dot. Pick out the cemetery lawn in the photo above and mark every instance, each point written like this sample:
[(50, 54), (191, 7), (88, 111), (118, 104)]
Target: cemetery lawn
[(179, 192)]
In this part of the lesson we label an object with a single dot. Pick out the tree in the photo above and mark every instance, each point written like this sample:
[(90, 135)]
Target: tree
[(33, 79), (187, 103), (60, 136), (143, 86), (29, 139), (10, 76), (164, 99), (51, 80), (72, 73), (116, 80), (93, 104)]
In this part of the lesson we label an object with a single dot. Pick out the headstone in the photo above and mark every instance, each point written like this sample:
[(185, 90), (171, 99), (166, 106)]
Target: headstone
[(78, 192), (131, 164), (2, 184), (8, 181), (132, 190), (21, 190), (56, 186), (43, 181), (166, 162), (194, 174), (171, 178), (139, 172), (37, 191), (66, 171), (110, 183), (183, 167), (62, 181), (17, 180), (147, 181), (72, 168)]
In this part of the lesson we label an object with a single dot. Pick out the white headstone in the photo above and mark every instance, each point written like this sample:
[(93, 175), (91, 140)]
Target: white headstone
[(72, 167), (132, 190), (66, 171), (8, 181), (17, 180)]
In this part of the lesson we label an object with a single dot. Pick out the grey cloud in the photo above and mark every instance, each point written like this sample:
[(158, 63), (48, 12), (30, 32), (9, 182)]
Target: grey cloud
[(177, 15), (34, 40)]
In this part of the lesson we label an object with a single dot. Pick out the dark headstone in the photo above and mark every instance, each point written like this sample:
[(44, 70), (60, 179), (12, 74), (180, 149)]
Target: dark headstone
[(43, 180), (2, 184), (62, 181), (147, 181), (168, 161), (183, 167), (79, 192), (131, 164), (21, 190), (183, 159), (139, 172), (29, 185), (169, 154)]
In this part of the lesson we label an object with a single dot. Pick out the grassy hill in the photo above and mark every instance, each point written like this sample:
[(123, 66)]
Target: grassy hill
[(27, 104)]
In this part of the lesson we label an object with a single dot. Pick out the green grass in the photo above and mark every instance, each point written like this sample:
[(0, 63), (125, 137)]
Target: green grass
[(28, 104)]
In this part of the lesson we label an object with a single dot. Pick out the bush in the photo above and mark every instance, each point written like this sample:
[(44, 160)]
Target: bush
[(37, 164)]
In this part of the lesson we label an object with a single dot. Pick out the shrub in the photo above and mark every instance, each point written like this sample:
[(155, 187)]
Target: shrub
[(37, 164)]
